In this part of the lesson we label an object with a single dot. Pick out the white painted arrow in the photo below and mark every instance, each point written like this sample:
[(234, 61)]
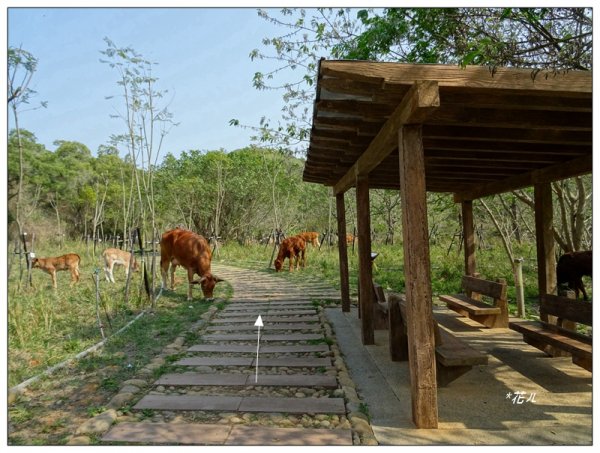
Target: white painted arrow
[(259, 324)]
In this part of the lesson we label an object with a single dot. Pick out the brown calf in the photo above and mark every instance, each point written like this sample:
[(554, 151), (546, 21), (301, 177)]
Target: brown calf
[(311, 237), (113, 257), (70, 262), (571, 267), (292, 248)]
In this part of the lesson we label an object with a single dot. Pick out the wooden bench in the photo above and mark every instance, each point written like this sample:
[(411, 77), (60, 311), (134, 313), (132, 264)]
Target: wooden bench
[(380, 308), (453, 357), (471, 305), (548, 337)]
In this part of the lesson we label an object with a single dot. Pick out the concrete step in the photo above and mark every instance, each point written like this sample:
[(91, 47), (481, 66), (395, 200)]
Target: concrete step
[(242, 404), (267, 327), (274, 380), (264, 349), (266, 319), (191, 434), (307, 362), (265, 337)]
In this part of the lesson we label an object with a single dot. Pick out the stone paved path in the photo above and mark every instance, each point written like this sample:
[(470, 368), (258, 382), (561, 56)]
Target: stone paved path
[(299, 392)]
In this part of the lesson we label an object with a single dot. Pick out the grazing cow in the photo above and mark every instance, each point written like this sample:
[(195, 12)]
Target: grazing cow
[(118, 257), (185, 248), (350, 238), (311, 237), (571, 267), (292, 248), (70, 262)]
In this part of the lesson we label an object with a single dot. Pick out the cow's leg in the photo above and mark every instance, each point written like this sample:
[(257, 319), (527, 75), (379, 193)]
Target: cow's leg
[(164, 268), (74, 276), (190, 283), (109, 272), (52, 273), (173, 267), (582, 288), (77, 273)]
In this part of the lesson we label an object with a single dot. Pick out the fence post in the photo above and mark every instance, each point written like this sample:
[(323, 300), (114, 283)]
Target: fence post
[(520, 293), (96, 273)]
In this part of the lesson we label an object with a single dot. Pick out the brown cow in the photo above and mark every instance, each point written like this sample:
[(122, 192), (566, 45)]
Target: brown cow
[(119, 257), (350, 238), (69, 262), (185, 248), (292, 248), (571, 267), (311, 237)]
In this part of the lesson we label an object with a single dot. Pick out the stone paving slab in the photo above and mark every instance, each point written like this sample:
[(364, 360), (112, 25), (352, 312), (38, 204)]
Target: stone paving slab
[(249, 361), (259, 435), (267, 327), (275, 380), (266, 319), (242, 404), (265, 337), (190, 403), (215, 361), (272, 303), (169, 433), (255, 313), (191, 434), (202, 379), (293, 361), (293, 405), (264, 349)]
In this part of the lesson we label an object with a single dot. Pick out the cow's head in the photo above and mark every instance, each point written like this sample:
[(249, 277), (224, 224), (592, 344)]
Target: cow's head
[(208, 282), (35, 262), (278, 264)]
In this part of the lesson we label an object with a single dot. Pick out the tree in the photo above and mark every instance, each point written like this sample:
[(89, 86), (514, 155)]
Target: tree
[(537, 38), (146, 123), (21, 67)]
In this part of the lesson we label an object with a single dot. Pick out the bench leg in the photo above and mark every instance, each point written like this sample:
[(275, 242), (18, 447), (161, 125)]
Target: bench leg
[(398, 341), (445, 375), (546, 348), (583, 363)]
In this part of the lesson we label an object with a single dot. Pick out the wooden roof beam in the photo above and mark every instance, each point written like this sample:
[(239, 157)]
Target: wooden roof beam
[(420, 101), (576, 82), (572, 168)]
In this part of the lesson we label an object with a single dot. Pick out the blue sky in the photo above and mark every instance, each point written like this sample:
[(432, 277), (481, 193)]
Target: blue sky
[(203, 62)]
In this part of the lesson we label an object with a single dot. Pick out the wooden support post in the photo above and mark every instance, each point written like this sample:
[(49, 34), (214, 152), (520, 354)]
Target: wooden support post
[(546, 259), (365, 274), (544, 239), (469, 236), (343, 252), (421, 339)]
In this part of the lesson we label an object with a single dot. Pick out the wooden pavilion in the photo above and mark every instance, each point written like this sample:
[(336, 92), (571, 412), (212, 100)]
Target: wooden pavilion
[(470, 132)]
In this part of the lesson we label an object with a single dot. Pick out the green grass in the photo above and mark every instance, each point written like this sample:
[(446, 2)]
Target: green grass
[(46, 326)]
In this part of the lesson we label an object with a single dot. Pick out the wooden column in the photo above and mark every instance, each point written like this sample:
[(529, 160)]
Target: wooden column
[(421, 343), (546, 259), (365, 274), (469, 236), (343, 252)]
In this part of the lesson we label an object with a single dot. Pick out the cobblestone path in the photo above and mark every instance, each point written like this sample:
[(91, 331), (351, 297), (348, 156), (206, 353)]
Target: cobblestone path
[(299, 392)]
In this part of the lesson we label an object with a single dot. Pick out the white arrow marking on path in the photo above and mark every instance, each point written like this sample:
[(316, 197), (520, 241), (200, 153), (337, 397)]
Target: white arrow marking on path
[(259, 324)]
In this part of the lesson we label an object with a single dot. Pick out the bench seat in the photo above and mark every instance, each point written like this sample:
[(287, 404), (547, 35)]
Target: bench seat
[(558, 339), (453, 357), (471, 306)]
